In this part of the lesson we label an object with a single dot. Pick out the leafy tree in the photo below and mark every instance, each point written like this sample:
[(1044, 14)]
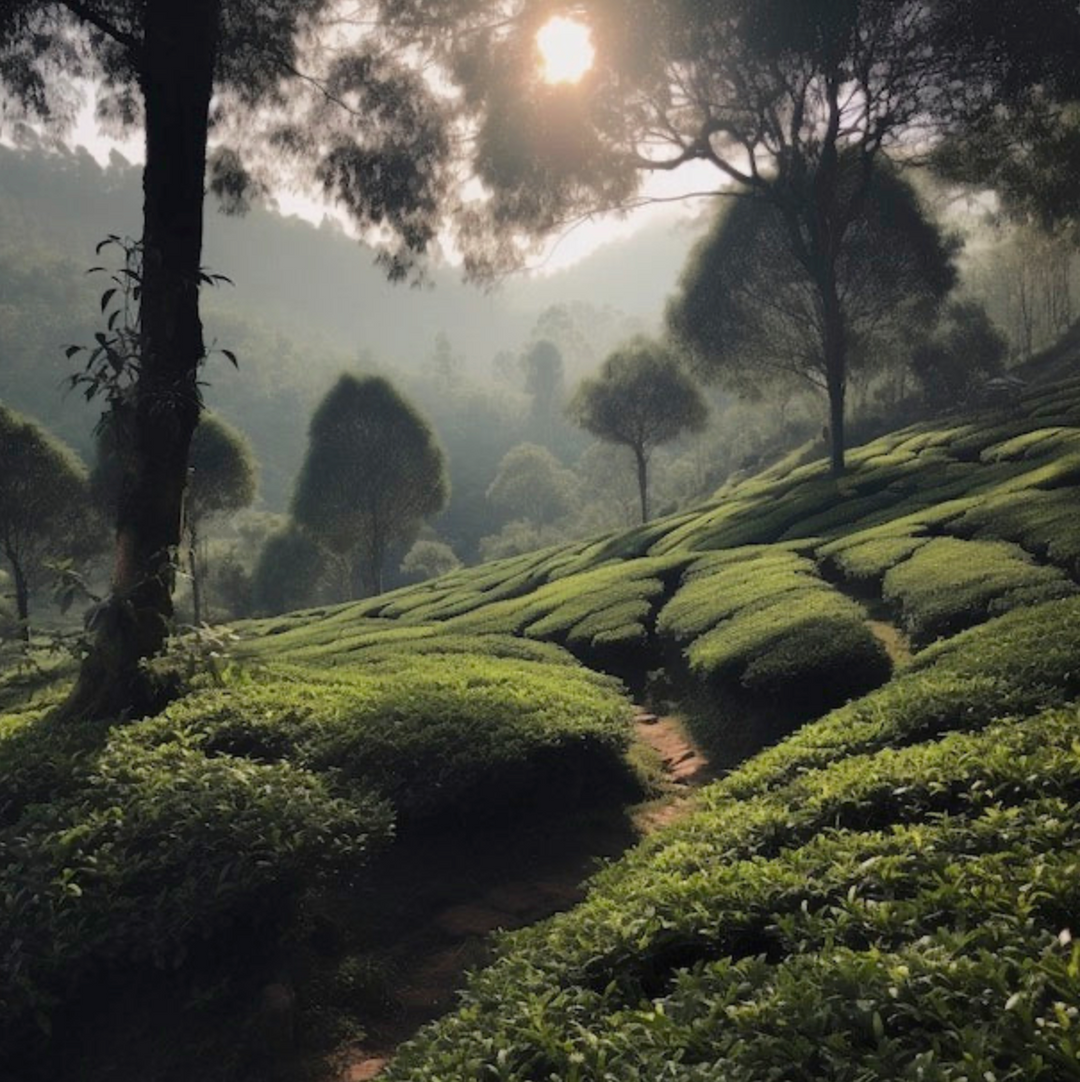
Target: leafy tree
[(429, 558), (1026, 147), (373, 473), (748, 312), (544, 373), (792, 102), (44, 504), (640, 399), (222, 480), (531, 484), (288, 573), (964, 349), (351, 119)]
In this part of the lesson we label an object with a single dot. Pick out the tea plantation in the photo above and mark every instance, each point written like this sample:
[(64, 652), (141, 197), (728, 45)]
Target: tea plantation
[(888, 891)]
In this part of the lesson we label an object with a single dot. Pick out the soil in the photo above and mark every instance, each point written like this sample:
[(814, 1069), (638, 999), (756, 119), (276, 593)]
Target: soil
[(445, 900), (896, 643)]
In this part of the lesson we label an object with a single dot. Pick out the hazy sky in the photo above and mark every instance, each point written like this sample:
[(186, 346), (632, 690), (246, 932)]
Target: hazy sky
[(562, 251)]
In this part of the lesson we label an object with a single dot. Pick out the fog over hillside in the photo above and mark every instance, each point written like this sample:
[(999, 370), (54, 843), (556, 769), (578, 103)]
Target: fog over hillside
[(315, 281)]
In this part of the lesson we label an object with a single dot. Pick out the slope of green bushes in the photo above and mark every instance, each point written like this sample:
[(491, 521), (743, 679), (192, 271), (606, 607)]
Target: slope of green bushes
[(839, 907), (884, 894), (133, 843)]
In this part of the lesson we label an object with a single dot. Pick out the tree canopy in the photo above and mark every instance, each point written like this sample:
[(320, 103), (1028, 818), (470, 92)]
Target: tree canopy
[(372, 474), (44, 504), (794, 102), (532, 484), (222, 479), (748, 313), (641, 399)]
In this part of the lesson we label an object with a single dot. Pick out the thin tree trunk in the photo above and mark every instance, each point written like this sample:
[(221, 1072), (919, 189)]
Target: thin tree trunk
[(643, 483), (196, 586), (22, 599), (180, 42), (372, 571), (835, 347)]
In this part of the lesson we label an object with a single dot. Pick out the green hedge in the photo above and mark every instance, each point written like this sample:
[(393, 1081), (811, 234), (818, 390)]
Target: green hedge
[(949, 584), (761, 622)]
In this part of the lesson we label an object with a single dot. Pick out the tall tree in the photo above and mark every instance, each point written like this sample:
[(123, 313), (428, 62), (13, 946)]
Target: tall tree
[(749, 314), (641, 399), (542, 363), (44, 504), (772, 95), (352, 120), (372, 475), (222, 476)]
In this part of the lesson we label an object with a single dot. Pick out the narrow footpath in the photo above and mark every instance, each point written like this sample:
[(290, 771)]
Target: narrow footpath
[(512, 883)]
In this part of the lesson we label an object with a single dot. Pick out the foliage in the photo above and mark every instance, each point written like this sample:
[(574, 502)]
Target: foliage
[(869, 897), (134, 844), (948, 584), (964, 350), (223, 471), (641, 399), (373, 473), (531, 484), (429, 559), (289, 571), (746, 307), (765, 624), (44, 505)]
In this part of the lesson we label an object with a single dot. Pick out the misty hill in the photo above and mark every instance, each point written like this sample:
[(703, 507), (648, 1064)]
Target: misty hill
[(315, 281), (883, 882), (307, 304)]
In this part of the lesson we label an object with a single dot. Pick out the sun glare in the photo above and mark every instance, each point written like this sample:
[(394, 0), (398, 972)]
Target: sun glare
[(566, 50)]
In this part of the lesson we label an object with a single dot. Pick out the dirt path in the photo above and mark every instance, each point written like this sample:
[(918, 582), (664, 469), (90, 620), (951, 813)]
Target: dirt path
[(446, 902), (896, 643), (685, 768)]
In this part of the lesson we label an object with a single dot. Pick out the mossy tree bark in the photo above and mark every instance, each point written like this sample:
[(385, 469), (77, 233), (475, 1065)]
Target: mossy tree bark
[(176, 66)]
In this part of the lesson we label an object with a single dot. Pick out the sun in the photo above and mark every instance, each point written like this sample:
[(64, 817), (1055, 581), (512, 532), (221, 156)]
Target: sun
[(566, 50)]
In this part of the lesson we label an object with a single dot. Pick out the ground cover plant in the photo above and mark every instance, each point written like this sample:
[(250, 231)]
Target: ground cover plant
[(857, 915)]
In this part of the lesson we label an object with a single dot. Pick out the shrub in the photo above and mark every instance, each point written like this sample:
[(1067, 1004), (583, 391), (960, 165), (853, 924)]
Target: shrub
[(841, 924), (761, 622), (1042, 522), (151, 849), (949, 584)]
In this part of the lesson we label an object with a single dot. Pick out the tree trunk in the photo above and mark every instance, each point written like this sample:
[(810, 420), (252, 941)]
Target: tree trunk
[(196, 586), (177, 63), (835, 348), (372, 570), (643, 482), (22, 599)]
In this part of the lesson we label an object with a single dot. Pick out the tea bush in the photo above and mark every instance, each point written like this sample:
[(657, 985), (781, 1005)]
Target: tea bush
[(1044, 523), (949, 584), (764, 623), (843, 925), (133, 843)]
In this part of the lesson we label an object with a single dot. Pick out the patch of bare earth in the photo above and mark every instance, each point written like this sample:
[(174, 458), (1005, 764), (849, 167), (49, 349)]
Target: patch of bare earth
[(684, 765), (896, 643)]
